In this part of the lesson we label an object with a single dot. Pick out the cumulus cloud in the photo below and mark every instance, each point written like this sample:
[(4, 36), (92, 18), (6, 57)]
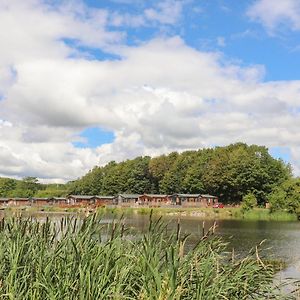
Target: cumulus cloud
[(159, 96), (273, 14), (166, 12)]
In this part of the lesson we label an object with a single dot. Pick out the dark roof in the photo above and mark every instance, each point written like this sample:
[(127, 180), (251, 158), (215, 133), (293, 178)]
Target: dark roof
[(155, 195), (81, 197), (208, 196), (187, 195), (129, 196)]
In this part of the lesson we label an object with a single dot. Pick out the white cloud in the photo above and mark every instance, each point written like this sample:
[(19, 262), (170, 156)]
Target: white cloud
[(166, 12), (275, 14), (160, 96), (37, 30)]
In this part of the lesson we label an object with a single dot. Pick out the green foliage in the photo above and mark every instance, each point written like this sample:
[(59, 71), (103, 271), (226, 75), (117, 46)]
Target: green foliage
[(26, 187), (286, 196), (229, 172), (249, 202), (238, 169), (172, 182), (90, 184), (7, 185), (81, 259), (52, 190), (159, 166)]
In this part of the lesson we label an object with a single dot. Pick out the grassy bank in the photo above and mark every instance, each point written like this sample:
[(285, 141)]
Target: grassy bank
[(260, 214), (86, 259), (210, 213)]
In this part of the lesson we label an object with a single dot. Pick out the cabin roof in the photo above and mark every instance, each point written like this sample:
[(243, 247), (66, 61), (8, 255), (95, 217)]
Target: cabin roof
[(188, 195), (81, 197), (155, 195), (129, 196), (104, 197), (208, 196)]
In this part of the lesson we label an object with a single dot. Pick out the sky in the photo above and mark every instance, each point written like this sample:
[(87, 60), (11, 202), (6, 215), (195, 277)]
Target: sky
[(86, 82)]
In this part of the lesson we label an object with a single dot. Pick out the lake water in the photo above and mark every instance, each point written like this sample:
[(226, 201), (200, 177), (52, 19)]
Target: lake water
[(282, 239)]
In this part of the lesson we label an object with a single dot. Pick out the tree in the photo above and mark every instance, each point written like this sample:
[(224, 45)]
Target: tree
[(238, 169), (173, 179), (229, 172), (26, 187), (249, 202), (286, 196), (7, 185), (158, 167), (52, 190), (193, 180)]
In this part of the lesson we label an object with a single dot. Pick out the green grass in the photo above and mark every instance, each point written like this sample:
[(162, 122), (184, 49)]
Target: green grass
[(85, 259), (259, 214), (262, 214), (265, 214)]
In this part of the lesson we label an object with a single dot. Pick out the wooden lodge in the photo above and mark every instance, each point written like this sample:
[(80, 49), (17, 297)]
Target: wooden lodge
[(193, 200), (19, 202), (103, 200), (40, 201), (80, 200), (154, 200), (209, 199), (4, 201), (126, 199), (58, 201)]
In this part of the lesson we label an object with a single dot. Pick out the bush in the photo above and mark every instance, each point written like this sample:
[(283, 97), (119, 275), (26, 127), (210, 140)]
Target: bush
[(249, 202), (286, 196)]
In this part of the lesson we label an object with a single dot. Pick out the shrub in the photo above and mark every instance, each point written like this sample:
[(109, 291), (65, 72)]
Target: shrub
[(249, 202)]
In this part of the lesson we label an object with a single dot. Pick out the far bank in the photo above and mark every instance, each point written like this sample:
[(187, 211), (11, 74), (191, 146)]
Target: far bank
[(226, 213)]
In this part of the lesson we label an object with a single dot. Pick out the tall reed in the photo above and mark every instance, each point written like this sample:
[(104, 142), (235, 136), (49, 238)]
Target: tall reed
[(85, 259)]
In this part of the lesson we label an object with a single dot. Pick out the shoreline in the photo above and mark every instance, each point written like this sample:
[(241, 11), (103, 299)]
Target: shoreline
[(232, 213)]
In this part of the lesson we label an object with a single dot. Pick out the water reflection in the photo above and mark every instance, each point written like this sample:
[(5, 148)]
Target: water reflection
[(282, 239)]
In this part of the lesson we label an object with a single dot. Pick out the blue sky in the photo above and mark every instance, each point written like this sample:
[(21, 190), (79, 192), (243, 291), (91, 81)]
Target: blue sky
[(93, 137), (218, 25), (110, 80), (213, 26)]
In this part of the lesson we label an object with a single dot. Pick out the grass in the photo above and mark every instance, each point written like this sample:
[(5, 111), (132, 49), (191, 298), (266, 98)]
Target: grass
[(85, 259), (265, 214), (262, 214)]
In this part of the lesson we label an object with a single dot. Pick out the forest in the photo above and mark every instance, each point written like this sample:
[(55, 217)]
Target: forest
[(231, 172)]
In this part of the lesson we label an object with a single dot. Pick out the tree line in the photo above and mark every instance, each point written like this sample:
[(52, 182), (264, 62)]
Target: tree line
[(230, 172)]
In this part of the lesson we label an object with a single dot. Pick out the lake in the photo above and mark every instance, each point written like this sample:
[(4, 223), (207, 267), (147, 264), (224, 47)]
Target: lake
[(282, 239)]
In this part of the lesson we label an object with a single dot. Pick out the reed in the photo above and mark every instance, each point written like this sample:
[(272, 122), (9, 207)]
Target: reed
[(84, 259)]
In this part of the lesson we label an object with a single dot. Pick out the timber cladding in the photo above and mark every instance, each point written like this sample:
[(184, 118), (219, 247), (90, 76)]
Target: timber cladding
[(191, 200)]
